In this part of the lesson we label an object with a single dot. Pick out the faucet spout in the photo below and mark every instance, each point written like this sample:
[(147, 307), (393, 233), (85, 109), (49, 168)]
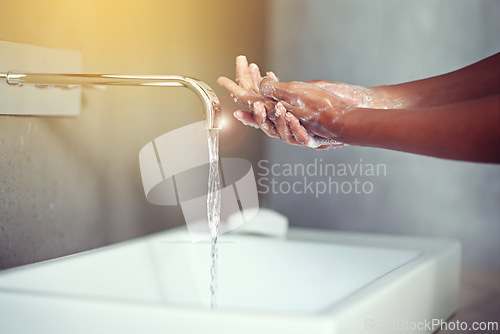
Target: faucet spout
[(211, 104)]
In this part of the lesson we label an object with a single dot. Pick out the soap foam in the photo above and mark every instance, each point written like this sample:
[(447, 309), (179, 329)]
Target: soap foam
[(316, 141)]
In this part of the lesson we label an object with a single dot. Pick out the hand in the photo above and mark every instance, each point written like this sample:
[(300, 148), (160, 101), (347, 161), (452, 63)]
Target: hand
[(265, 113), (318, 110), (289, 128), (246, 93)]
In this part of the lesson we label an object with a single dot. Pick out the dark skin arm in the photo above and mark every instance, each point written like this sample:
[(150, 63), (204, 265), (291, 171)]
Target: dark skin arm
[(451, 116), (468, 131), (472, 82)]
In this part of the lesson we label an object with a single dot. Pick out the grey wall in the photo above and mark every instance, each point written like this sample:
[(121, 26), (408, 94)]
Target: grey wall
[(370, 43), (71, 184)]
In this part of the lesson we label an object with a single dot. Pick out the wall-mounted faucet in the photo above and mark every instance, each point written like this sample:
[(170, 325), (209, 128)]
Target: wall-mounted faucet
[(211, 104)]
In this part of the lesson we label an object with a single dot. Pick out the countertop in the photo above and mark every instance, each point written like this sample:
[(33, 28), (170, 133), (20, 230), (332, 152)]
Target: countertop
[(479, 301)]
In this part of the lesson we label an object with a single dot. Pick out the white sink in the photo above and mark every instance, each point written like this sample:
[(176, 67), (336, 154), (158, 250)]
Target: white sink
[(313, 281)]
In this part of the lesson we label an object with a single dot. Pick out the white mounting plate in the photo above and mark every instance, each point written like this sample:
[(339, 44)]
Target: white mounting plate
[(28, 99)]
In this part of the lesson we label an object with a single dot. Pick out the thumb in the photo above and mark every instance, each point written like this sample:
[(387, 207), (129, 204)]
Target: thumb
[(280, 91)]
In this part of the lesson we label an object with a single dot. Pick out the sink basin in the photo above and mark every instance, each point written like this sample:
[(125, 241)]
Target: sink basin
[(314, 281)]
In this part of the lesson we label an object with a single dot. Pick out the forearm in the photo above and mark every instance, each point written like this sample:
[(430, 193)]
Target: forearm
[(472, 82), (463, 131)]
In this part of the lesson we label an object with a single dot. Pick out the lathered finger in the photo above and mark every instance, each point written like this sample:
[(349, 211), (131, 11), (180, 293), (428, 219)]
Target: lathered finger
[(231, 87), (299, 133), (243, 97), (260, 116), (282, 125), (243, 77), (246, 118), (256, 78), (272, 112)]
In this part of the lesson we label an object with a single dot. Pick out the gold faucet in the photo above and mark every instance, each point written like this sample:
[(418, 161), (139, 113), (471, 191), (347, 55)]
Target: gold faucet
[(211, 104)]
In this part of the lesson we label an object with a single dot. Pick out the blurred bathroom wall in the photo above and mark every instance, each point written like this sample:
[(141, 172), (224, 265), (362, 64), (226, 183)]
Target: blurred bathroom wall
[(70, 184), (370, 43)]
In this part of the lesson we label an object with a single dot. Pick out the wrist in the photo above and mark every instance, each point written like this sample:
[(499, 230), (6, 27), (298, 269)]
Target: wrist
[(354, 127), (389, 97)]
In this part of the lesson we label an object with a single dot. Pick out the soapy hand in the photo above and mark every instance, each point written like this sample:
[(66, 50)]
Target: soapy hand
[(246, 93), (268, 113), (261, 111), (438, 116), (290, 129), (317, 109)]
